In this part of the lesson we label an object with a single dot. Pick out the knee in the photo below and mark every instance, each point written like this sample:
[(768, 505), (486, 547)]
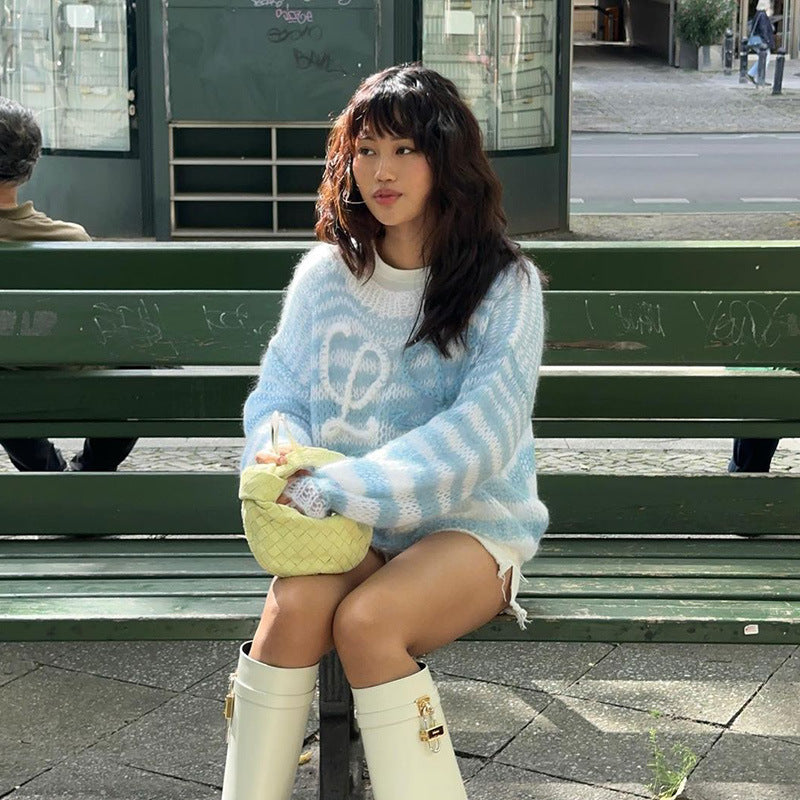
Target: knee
[(361, 626), (293, 602)]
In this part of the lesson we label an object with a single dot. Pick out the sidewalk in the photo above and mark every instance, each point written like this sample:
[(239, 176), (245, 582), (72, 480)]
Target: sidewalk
[(623, 90), (84, 721)]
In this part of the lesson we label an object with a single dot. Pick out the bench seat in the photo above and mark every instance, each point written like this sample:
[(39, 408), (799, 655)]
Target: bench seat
[(579, 588)]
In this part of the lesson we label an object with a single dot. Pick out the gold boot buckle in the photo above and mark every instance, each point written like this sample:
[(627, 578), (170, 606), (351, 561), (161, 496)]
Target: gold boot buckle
[(429, 729), (227, 711)]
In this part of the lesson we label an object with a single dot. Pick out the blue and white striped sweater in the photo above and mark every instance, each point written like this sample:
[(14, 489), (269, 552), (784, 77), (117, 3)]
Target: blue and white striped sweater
[(432, 443)]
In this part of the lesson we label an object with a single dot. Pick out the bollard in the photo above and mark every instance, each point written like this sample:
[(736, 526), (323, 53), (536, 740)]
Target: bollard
[(777, 81), (743, 61), (761, 74), (727, 52)]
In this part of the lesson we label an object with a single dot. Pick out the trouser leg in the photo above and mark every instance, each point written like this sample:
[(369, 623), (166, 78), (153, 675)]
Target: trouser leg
[(34, 455), (752, 455), (102, 454)]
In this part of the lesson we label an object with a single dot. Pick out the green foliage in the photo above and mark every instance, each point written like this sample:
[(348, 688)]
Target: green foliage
[(668, 778), (703, 22)]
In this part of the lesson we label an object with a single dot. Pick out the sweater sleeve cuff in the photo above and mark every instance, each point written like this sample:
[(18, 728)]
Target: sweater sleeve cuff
[(305, 496)]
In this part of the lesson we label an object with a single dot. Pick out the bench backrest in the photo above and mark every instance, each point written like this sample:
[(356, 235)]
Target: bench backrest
[(641, 339)]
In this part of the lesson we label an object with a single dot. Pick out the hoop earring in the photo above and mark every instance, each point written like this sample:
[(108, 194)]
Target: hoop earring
[(347, 201), (346, 193)]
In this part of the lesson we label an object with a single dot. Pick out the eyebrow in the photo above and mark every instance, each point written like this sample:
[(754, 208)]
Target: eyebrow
[(394, 138)]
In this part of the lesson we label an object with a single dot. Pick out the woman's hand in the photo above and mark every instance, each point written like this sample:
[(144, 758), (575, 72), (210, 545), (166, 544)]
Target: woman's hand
[(270, 457)]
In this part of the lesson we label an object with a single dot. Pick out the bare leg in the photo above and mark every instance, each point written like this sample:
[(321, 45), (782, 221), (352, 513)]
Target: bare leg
[(296, 624), (442, 587)]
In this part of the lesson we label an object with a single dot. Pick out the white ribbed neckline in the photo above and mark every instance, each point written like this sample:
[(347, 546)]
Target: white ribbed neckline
[(398, 280)]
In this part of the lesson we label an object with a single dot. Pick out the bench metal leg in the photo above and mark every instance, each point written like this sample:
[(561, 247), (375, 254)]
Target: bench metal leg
[(340, 761)]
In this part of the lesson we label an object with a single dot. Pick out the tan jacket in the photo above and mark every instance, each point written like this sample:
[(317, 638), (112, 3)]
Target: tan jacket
[(25, 224)]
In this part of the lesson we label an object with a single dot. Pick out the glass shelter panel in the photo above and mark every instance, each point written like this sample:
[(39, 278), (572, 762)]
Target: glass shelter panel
[(68, 62), (502, 56)]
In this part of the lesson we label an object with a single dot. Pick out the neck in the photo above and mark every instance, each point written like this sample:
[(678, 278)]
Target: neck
[(8, 196), (402, 250)]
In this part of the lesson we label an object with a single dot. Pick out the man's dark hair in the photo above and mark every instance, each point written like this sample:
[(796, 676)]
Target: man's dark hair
[(20, 142)]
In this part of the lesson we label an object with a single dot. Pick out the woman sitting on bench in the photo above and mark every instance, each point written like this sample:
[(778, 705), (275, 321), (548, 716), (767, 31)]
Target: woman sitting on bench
[(410, 342)]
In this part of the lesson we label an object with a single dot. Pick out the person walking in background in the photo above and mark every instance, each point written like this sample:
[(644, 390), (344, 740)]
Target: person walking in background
[(761, 32), (20, 148)]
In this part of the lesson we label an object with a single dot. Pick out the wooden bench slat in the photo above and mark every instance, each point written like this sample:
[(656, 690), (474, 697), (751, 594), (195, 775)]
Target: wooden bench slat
[(544, 428), (711, 266), (666, 568), (601, 619), (638, 547), (704, 266), (727, 549), (237, 566), (690, 398), (206, 503), (190, 326), (733, 587), (144, 586), (134, 567), (686, 621), (166, 265)]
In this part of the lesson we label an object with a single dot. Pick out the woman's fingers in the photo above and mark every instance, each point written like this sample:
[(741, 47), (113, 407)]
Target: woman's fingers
[(270, 457)]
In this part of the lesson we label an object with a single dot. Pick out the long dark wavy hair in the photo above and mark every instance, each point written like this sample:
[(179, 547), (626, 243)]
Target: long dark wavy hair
[(468, 246)]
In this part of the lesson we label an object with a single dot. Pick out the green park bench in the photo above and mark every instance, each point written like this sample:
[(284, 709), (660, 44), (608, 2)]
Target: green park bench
[(641, 340)]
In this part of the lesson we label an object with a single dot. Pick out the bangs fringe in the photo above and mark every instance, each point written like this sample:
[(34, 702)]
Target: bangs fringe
[(396, 113)]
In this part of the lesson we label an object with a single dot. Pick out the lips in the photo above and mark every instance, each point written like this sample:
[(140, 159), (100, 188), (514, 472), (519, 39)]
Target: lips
[(385, 197)]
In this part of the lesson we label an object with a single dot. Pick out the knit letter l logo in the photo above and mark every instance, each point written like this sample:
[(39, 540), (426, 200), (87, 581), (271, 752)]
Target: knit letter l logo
[(341, 340)]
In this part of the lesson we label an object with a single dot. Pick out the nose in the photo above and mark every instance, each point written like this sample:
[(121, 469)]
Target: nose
[(385, 169)]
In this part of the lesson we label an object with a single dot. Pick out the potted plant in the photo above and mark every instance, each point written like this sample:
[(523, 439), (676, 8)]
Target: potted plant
[(701, 24)]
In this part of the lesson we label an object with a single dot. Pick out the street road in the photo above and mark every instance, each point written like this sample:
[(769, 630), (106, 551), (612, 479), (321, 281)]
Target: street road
[(623, 173)]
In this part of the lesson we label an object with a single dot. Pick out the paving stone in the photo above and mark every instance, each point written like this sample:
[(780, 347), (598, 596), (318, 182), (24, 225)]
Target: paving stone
[(484, 717), (184, 738), (166, 665), (541, 666), (50, 712), (600, 744), (12, 667), (500, 782), (710, 683), (747, 768), (89, 776), (774, 710)]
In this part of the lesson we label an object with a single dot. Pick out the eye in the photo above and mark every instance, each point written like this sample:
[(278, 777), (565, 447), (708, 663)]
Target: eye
[(363, 151), (405, 150)]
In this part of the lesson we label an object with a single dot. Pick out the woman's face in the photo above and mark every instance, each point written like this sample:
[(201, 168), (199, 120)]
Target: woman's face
[(395, 181)]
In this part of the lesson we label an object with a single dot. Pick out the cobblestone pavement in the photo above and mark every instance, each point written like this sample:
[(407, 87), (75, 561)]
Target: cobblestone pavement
[(640, 456), (677, 227), (620, 89)]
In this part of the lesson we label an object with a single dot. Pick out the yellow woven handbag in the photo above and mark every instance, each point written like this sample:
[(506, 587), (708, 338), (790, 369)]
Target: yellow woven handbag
[(284, 541)]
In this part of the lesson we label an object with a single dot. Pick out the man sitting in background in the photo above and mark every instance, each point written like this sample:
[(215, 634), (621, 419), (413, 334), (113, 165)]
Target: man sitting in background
[(20, 148)]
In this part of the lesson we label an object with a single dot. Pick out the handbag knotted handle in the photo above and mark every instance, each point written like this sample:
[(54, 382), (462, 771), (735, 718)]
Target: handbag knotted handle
[(276, 422)]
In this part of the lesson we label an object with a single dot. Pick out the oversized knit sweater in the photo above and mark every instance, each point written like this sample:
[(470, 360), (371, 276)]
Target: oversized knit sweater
[(432, 443)]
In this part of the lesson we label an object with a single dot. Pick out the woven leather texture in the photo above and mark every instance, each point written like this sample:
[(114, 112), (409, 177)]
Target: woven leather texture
[(284, 541)]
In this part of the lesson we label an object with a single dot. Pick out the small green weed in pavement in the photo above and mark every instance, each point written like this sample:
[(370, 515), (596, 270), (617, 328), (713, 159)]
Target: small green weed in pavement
[(669, 774)]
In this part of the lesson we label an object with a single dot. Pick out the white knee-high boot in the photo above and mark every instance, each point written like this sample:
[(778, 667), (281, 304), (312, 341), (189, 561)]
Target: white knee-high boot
[(267, 713), (406, 741)]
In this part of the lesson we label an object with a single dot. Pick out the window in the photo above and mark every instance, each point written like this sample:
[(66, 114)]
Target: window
[(501, 55), (68, 62)]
